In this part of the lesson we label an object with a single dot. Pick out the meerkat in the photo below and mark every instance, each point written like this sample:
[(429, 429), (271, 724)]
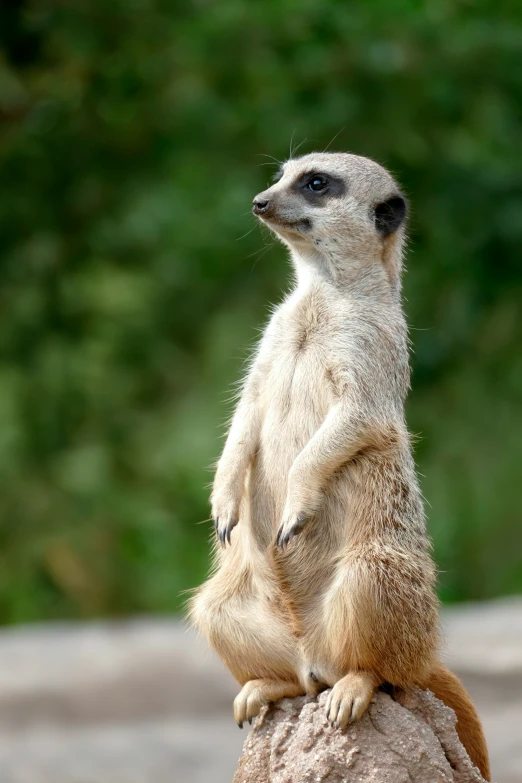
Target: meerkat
[(323, 573)]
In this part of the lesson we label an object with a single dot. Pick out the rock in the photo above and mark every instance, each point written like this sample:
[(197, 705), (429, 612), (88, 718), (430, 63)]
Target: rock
[(414, 740)]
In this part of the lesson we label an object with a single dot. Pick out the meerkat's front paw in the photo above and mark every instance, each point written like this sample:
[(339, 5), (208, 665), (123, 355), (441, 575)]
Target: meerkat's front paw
[(349, 698), (302, 501), (249, 701), (291, 526), (257, 694), (224, 526), (225, 513)]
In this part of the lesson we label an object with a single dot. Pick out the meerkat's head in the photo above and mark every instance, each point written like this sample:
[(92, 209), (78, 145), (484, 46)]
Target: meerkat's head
[(336, 209)]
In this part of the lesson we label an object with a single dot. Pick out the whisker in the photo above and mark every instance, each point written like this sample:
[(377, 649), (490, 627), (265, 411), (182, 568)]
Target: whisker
[(265, 250), (334, 138), (260, 251), (247, 233), (299, 146), (264, 155), (291, 142)]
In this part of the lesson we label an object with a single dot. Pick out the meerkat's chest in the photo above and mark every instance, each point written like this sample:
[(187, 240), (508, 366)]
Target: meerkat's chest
[(298, 390)]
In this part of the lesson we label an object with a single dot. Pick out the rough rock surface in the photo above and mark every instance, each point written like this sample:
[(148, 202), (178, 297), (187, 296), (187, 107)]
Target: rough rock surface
[(414, 740)]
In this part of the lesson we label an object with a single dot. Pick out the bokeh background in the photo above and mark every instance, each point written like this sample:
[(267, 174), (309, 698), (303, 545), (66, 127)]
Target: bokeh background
[(134, 134), (133, 284)]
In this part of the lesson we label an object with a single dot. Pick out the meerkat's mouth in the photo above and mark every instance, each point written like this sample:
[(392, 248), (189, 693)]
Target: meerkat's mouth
[(267, 210), (295, 226)]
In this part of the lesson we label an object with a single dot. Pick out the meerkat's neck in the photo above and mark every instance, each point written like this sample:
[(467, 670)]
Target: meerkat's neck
[(348, 276)]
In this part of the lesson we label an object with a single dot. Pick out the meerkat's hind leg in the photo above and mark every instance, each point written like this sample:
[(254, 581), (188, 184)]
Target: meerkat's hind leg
[(349, 698), (256, 694)]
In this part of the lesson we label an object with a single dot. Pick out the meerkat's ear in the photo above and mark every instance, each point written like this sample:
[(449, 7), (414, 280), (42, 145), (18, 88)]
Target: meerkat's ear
[(390, 214)]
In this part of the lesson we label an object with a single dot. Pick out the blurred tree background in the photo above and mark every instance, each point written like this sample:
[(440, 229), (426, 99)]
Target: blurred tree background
[(131, 144)]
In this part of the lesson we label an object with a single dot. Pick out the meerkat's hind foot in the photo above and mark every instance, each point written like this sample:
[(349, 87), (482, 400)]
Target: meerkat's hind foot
[(349, 698), (256, 694)]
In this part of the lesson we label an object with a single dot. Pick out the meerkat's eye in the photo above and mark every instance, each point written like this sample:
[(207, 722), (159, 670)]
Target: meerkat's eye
[(317, 184)]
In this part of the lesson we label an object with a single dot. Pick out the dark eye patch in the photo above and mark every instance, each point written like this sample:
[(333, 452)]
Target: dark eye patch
[(335, 187)]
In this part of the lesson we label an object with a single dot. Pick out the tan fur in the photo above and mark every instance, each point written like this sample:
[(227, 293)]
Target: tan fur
[(328, 579), (449, 689)]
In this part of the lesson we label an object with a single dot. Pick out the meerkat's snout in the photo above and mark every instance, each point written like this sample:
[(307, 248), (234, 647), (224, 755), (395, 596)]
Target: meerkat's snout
[(281, 211), (268, 206), (261, 205)]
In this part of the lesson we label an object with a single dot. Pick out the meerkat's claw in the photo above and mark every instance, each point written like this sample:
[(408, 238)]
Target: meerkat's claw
[(249, 701), (290, 528), (349, 698), (224, 529), (257, 694)]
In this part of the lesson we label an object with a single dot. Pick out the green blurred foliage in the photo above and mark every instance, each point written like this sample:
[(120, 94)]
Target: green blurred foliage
[(131, 144)]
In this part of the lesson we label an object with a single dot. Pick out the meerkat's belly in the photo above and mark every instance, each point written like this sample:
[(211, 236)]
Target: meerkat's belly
[(296, 400)]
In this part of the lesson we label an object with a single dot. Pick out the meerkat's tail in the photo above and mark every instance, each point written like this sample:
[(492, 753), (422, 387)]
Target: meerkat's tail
[(449, 689)]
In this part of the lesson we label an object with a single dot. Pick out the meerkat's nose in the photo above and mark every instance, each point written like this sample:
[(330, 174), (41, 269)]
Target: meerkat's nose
[(261, 205)]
